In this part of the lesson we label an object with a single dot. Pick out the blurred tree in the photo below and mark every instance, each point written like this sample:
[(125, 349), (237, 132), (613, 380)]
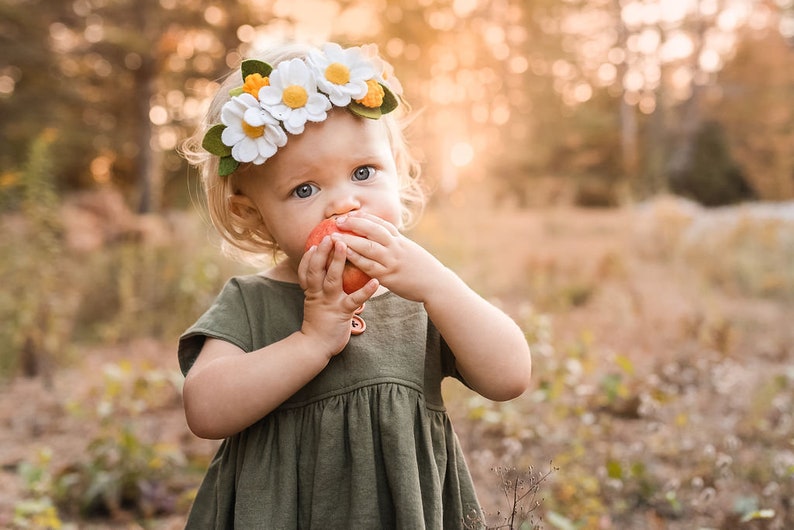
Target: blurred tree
[(27, 83), (660, 60), (607, 92), (755, 101), (140, 55), (573, 116), (712, 177), (110, 75)]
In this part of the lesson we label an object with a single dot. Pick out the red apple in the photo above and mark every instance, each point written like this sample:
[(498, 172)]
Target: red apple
[(353, 278)]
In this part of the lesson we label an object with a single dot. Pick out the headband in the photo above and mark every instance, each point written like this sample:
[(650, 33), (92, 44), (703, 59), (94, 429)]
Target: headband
[(275, 101)]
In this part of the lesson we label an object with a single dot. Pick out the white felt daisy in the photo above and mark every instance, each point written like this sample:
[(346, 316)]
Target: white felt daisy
[(253, 134), (342, 73), (292, 96)]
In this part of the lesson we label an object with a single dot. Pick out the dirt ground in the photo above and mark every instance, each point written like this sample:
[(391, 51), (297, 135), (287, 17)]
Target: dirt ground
[(693, 360)]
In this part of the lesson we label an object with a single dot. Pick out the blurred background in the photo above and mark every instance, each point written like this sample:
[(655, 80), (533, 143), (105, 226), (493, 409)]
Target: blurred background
[(618, 175)]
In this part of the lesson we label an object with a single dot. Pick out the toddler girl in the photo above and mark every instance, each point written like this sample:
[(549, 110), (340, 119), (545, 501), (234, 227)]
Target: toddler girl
[(330, 403)]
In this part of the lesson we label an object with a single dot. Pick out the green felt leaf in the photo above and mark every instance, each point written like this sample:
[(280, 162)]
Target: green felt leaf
[(236, 91), (253, 66), (212, 141), (390, 101), (227, 165), (365, 112)]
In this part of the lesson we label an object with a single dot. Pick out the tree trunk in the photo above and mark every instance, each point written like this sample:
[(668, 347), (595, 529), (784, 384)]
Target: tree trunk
[(628, 117), (149, 168)]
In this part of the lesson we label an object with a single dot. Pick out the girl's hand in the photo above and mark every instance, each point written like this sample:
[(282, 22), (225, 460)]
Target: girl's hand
[(400, 264), (328, 309)]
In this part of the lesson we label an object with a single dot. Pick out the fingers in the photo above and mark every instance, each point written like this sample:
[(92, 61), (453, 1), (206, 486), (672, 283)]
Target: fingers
[(368, 226), (358, 298), (370, 241), (303, 267), (313, 265), (321, 271), (334, 280), (336, 266)]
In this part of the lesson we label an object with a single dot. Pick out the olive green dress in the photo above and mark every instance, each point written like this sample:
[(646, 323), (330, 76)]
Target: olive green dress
[(366, 444)]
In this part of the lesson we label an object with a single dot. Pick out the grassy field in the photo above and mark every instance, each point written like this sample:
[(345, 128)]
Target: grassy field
[(662, 347)]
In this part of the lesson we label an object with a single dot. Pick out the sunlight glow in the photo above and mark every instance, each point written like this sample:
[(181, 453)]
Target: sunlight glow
[(660, 37), (313, 19), (500, 114), (576, 94), (246, 33), (518, 64), (647, 104), (607, 73), (158, 115), (167, 139), (7, 85), (678, 46), (94, 29), (786, 26), (101, 168), (214, 15), (708, 7), (649, 40), (464, 8), (710, 61), (633, 81), (442, 20), (461, 154)]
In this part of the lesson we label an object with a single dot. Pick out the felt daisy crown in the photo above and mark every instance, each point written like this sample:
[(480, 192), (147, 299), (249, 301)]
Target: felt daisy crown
[(275, 101)]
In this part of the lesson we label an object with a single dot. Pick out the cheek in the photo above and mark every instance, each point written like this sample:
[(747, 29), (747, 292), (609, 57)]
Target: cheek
[(396, 207), (287, 234), (390, 203), (388, 207)]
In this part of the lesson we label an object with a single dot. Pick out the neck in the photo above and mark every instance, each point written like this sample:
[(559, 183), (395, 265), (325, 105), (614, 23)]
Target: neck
[(282, 272)]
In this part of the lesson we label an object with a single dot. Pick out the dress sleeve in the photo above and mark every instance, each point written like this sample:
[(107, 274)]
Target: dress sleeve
[(449, 367), (226, 319)]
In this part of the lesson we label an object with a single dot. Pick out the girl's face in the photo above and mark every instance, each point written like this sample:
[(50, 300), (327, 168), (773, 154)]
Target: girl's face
[(334, 167)]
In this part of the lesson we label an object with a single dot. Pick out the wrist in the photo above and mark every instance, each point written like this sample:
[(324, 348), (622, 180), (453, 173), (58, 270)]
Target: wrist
[(318, 343)]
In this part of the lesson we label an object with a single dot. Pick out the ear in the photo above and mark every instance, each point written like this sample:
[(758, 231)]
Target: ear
[(244, 211)]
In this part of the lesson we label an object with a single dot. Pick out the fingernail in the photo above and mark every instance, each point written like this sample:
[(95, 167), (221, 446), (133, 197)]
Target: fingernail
[(341, 219)]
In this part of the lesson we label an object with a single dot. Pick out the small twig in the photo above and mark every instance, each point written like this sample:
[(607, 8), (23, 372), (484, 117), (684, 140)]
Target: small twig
[(517, 491)]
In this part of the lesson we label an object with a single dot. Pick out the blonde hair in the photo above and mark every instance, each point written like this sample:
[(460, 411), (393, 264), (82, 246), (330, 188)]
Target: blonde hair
[(245, 238)]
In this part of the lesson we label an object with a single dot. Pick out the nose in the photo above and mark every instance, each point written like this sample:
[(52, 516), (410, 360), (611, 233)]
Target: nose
[(343, 201)]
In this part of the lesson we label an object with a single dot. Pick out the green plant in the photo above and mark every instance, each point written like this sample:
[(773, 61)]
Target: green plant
[(135, 288), (37, 510), (124, 471), (37, 301)]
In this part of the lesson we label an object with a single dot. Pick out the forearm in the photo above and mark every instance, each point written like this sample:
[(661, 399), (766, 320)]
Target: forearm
[(229, 392), (490, 349)]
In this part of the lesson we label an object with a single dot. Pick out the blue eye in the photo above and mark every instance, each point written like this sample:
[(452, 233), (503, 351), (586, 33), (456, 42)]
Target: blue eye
[(305, 190), (363, 172)]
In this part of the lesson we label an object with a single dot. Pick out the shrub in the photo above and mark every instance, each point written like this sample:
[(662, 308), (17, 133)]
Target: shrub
[(710, 175)]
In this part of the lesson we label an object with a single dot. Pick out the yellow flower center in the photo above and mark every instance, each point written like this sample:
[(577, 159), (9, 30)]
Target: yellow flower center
[(374, 97), (253, 132), (254, 82), (337, 73), (295, 96)]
